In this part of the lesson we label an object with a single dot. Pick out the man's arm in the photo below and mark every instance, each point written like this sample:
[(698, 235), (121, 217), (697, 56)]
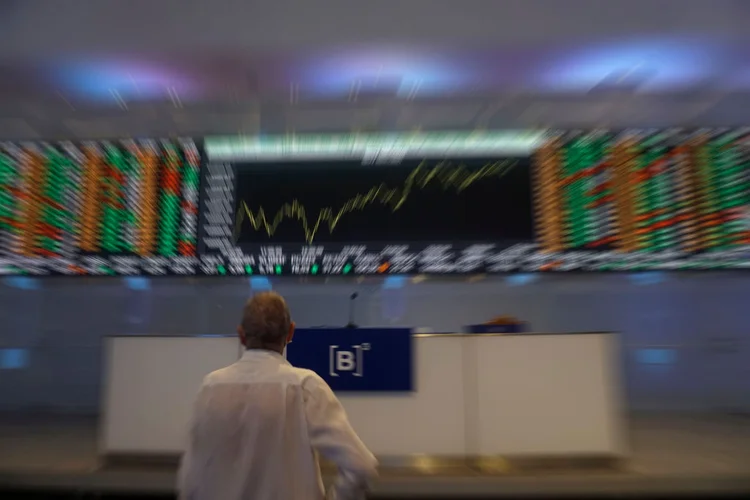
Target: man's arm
[(333, 437)]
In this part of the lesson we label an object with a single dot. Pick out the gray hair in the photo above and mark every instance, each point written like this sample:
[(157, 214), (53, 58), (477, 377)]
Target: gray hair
[(266, 319)]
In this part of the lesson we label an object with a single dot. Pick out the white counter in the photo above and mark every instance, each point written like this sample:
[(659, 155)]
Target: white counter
[(515, 395), (149, 387)]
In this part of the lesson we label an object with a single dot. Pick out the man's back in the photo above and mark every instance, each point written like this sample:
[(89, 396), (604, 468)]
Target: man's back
[(255, 426)]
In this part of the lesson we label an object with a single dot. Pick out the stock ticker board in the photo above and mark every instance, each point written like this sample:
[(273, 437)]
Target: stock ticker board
[(390, 204), (479, 202), (99, 208), (668, 200)]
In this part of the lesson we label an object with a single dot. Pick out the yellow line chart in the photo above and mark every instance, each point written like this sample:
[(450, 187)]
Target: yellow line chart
[(446, 174)]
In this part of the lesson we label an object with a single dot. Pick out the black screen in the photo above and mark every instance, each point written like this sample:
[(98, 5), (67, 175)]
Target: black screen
[(414, 201)]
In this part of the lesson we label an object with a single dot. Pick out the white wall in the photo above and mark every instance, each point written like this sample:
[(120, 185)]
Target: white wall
[(686, 339)]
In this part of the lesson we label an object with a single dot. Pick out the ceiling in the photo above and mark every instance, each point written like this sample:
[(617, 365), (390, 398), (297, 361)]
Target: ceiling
[(100, 68)]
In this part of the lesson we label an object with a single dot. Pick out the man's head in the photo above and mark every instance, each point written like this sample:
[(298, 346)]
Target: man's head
[(266, 323)]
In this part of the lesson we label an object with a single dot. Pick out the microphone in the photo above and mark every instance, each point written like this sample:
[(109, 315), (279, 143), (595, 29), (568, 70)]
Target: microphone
[(352, 298)]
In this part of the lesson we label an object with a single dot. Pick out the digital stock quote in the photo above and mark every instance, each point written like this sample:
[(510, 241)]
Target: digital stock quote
[(478, 202), (99, 208)]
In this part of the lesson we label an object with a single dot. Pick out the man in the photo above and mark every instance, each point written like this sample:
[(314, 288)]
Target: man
[(258, 423)]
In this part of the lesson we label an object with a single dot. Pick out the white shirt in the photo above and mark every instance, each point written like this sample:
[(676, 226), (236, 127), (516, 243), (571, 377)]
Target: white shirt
[(255, 427)]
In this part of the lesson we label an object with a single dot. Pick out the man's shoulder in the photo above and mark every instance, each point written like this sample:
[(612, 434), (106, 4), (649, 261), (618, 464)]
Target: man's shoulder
[(218, 375), (311, 382), (284, 373), (304, 375)]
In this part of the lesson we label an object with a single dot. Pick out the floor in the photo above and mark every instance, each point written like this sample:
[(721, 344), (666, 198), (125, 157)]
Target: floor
[(670, 454)]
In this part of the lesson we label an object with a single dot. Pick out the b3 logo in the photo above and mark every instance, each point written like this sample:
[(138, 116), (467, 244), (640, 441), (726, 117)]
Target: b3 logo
[(347, 361)]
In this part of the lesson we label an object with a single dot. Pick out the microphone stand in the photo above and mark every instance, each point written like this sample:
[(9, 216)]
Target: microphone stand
[(352, 299)]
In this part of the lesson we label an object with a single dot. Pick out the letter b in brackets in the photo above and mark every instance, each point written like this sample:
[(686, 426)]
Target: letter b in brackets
[(347, 360)]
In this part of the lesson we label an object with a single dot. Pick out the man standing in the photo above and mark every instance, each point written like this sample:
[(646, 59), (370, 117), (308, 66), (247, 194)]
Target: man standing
[(258, 424)]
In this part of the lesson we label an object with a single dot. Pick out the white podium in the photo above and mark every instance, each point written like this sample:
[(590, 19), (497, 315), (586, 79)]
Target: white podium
[(476, 395)]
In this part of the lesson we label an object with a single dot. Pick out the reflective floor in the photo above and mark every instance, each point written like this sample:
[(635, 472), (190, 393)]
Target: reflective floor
[(670, 454)]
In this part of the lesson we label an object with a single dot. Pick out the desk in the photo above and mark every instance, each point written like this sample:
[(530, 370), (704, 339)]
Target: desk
[(475, 395)]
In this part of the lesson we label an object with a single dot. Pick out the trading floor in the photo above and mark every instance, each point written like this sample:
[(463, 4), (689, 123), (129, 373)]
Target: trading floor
[(671, 456)]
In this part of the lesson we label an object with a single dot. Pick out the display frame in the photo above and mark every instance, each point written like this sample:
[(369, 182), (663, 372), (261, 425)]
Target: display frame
[(224, 154)]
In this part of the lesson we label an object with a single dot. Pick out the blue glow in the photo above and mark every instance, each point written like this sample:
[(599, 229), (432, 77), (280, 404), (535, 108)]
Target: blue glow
[(109, 81), (652, 65), (394, 282), (403, 73), (260, 283), (21, 282), (656, 356), (14, 359), (138, 283), (521, 279), (649, 278)]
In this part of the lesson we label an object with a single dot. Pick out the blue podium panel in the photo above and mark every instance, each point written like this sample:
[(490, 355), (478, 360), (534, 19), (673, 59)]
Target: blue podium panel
[(356, 359)]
